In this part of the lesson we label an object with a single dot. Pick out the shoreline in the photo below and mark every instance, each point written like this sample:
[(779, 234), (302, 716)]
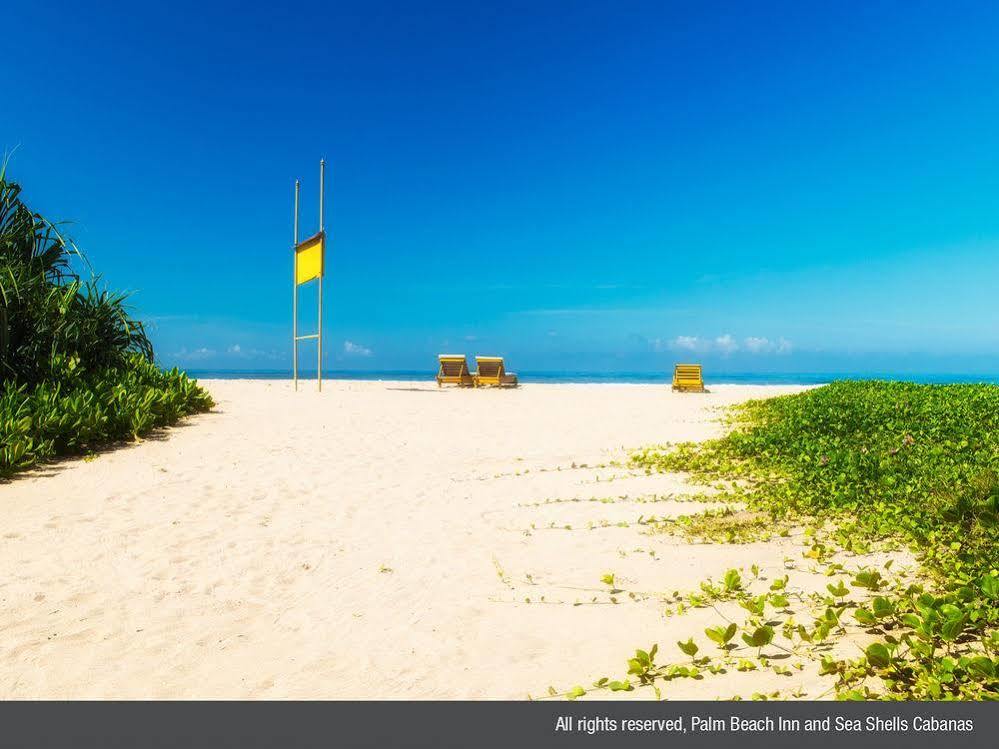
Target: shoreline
[(811, 379), (305, 382)]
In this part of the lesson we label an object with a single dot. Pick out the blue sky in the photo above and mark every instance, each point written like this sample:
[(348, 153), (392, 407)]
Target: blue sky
[(578, 186)]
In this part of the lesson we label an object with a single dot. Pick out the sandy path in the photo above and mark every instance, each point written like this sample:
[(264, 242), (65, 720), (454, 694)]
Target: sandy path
[(372, 541)]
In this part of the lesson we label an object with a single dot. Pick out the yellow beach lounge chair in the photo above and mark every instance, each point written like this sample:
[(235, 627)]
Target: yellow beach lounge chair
[(454, 371), (491, 372), (688, 378)]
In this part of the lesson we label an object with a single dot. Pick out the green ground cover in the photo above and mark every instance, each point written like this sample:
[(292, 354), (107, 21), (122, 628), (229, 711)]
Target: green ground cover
[(889, 461), (76, 371)]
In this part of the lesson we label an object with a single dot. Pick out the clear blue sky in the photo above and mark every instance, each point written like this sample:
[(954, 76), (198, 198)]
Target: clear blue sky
[(764, 187)]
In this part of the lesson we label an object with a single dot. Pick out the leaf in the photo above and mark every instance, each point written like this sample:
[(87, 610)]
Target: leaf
[(779, 601), (716, 634), (755, 605), (761, 636), (950, 611), (951, 629), (828, 665), (839, 590), (870, 579), (576, 692), (689, 647), (990, 586), (620, 686), (865, 617), (982, 666), (878, 655), (733, 580), (730, 631), (882, 607)]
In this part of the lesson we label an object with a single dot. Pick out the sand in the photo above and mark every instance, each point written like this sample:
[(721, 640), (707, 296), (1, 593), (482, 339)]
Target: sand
[(374, 541)]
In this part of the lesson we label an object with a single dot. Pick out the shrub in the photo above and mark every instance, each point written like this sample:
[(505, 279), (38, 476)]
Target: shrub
[(47, 313), (76, 370), (51, 419)]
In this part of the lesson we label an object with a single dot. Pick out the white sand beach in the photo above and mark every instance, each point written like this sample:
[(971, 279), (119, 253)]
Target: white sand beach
[(377, 540)]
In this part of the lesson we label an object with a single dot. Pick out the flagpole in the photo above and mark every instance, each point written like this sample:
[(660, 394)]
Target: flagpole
[(322, 272), (294, 291)]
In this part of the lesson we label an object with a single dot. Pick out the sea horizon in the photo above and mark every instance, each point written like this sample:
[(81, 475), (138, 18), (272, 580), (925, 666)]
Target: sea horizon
[(611, 377)]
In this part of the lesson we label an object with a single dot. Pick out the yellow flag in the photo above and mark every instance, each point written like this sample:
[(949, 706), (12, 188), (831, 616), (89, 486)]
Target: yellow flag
[(309, 258)]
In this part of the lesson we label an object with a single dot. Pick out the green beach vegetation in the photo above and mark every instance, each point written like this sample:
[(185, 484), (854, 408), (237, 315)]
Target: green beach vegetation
[(76, 371), (879, 463)]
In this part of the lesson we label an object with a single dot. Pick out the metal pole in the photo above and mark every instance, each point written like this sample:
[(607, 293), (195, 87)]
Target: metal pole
[(294, 289), (322, 272)]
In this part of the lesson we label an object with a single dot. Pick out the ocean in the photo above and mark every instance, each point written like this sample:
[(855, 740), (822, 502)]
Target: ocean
[(637, 378)]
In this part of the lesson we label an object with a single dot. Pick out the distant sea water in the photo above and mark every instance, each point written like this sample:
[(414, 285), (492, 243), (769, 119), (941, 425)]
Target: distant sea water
[(637, 378)]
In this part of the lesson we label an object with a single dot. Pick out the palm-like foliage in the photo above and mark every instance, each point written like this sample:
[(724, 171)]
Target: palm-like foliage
[(76, 371), (50, 319), (28, 241)]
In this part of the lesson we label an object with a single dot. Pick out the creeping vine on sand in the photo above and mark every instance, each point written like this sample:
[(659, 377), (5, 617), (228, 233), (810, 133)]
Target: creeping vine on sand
[(881, 463)]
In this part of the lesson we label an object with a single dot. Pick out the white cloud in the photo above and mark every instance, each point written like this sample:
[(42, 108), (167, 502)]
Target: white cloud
[(355, 349), (687, 343), (757, 345), (236, 350), (195, 355), (726, 344)]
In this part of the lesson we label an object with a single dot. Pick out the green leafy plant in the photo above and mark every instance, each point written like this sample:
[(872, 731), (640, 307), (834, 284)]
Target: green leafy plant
[(76, 371), (721, 635), (839, 590), (880, 463), (732, 581), (689, 647), (643, 663), (760, 637)]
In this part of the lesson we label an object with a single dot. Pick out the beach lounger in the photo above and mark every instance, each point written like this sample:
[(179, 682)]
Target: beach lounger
[(688, 378), (454, 371), (491, 372)]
